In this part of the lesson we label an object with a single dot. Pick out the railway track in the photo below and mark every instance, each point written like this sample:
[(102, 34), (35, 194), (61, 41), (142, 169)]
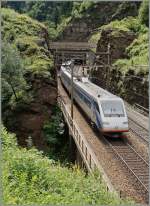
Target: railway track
[(134, 163), (139, 130)]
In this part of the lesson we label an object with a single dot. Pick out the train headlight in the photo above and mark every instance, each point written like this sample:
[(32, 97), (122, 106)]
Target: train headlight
[(106, 123), (125, 122)]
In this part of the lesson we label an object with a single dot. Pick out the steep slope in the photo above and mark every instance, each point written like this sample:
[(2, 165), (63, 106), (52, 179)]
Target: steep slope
[(27, 117), (88, 16), (31, 178), (128, 76)]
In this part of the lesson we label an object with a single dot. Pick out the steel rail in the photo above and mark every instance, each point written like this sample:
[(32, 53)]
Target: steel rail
[(140, 136), (125, 162), (135, 122), (139, 130)]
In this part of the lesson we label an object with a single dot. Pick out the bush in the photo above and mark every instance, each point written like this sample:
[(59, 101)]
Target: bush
[(126, 24), (31, 178)]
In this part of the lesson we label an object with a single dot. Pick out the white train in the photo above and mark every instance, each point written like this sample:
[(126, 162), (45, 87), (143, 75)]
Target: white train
[(104, 109)]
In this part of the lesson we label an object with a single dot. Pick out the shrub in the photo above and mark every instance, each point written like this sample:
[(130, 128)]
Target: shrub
[(31, 178)]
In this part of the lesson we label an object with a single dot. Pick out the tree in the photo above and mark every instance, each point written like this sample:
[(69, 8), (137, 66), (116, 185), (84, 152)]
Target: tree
[(144, 13), (12, 72), (44, 11), (20, 6)]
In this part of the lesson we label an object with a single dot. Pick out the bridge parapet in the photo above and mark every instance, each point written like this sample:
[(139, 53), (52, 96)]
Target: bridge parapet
[(80, 141)]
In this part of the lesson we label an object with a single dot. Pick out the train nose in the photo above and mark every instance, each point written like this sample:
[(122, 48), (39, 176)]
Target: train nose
[(116, 125)]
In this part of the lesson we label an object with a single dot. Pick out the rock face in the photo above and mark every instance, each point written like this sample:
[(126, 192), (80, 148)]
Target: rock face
[(119, 40), (129, 82), (100, 13), (30, 118), (131, 86)]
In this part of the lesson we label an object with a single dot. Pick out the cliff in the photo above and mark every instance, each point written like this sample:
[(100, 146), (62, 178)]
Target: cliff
[(128, 75), (27, 117), (88, 16)]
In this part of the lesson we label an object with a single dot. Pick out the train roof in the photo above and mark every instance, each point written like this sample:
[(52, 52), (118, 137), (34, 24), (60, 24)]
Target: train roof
[(94, 90)]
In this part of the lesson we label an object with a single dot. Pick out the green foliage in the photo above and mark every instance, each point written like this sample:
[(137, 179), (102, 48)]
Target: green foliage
[(29, 37), (52, 33), (8, 140), (19, 6), (139, 46), (144, 13), (80, 9), (76, 8), (94, 39), (54, 129), (126, 24), (85, 5), (54, 133), (137, 52), (63, 25), (50, 13), (15, 24), (12, 72), (29, 177)]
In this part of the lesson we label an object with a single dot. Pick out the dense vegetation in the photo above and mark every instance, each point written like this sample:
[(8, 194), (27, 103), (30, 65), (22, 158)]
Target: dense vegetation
[(51, 14), (31, 178), (13, 81), (29, 37), (55, 134), (24, 54), (144, 13)]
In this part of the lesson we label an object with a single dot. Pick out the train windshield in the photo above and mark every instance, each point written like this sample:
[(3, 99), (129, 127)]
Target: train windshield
[(112, 108)]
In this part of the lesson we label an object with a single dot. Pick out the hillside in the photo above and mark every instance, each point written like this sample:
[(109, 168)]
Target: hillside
[(128, 39), (26, 115), (88, 16), (31, 178), (37, 167)]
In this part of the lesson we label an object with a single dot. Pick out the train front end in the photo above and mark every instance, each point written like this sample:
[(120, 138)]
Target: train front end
[(113, 116)]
